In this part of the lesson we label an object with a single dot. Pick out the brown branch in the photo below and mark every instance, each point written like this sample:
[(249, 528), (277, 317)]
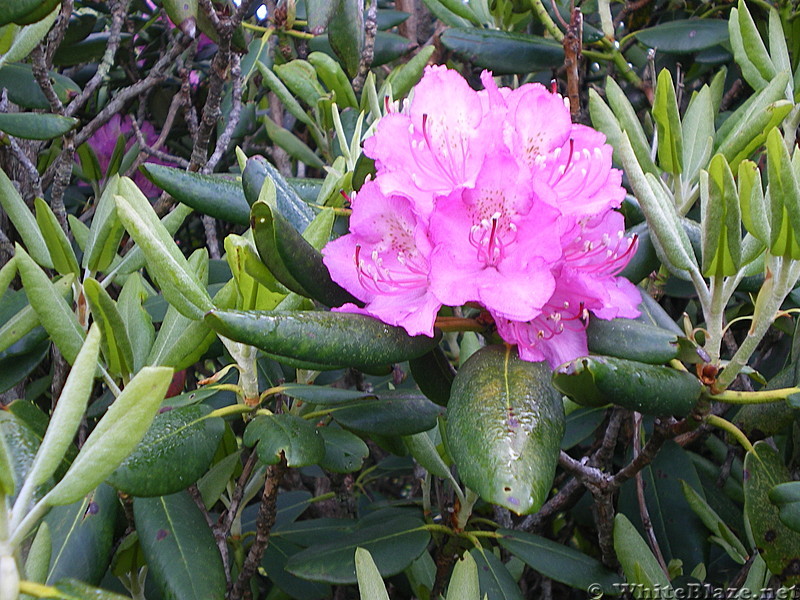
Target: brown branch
[(233, 117), (119, 10), (572, 55), (42, 76), (368, 52), (643, 512), (264, 522)]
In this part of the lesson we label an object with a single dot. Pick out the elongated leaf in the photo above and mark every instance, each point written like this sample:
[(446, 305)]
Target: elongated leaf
[(82, 537), (721, 220), (287, 201), (503, 52), (684, 36), (116, 344), (23, 89), (219, 197), (394, 413), (61, 253), (630, 125), (638, 563), (560, 562), (504, 428), (370, 582), (23, 221), (106, 230), (626, 338), (649, 389), (51, 308), (176, 540), (321, 337), (135, 258), (495, 580), (26, 39), (68, 412), (25, 320), (138, 323), (334, 78), (697, 129), (17, 12), (320, 394), (346, 33), (787, 497), (753, 45), (754, 210), (393, 543), (174, 453), (784, 193), (164, 259), (36, 126), (117, 433), (665, 113), (715, 524), (464, 583)]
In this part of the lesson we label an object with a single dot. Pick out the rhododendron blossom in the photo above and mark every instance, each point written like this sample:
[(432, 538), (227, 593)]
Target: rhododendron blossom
[(495, 198)]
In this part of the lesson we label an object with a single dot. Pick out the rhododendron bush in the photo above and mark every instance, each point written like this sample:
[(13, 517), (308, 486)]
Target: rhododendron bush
[(411, 299)]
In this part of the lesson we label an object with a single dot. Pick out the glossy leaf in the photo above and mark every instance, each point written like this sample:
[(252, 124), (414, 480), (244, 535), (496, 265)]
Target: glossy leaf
[(393, 542), (299, 258), (213, 195), (697, 129), (501, 51), (297, 439), (26, 38), (301, 79), (320, 394), (334, 78), (784, 195), (346, 33), (560, 562), (22, 11), (117, 433), (344, 451), (36, 126), (633, 340), (778, 544), (393, 414), (174, 453), (434, 375), (135, 258), (649, 389), (504, 428), (176, 540), (321, 337), (287, 201), (82, 537), (61, 253), (24, 319), (72, 589), (684, 36)]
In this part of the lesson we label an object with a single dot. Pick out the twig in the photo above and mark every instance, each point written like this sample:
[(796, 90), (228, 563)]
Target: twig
[(643, 512), (223, 547), (225, 520), (118, 11), (566, 497), (56, 33), (145, 149), (572, 55), (368, 52), (264, 522), (42, 77), (233, 117), (30, 168)]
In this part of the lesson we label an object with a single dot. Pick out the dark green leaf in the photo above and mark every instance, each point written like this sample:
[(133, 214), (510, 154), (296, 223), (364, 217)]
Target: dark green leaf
[(36, 126), (72, 589), (179, 547), (277, 554), (787, 497), (344, 451), (82, 535), (22, 88), (218, 196), (502, 51), (346, 33), (560, 562), (174, 453), (297, 439), (394, 544), (392, 414), (778, 545), (321, 337), (685, 36), (638, 563), (288, 202), (504, 428), (626, 338), (495, 580)]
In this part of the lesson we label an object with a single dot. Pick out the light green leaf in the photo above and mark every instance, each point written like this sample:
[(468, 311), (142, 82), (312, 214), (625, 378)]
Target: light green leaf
[(165, 261), (54, 313), (720, 221), (698, 133), (665, 113), (638, 563), (116, 344), (23, 221), (464, 580), (370, 582), (115, 436), (26, 38), (137, 321), (58, 245), (106, 230)]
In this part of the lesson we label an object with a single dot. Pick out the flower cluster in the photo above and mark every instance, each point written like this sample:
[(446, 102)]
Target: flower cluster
[(491, 197)]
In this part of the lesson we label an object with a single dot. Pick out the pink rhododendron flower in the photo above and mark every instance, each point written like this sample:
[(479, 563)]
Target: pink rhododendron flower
[(384, 261), (492, 197), (104, 140)]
